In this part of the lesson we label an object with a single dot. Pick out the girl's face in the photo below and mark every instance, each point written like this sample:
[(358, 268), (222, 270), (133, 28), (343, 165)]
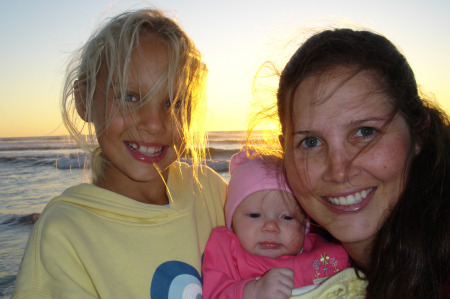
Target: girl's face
[(268, 223), (348, 157), (132, 141)]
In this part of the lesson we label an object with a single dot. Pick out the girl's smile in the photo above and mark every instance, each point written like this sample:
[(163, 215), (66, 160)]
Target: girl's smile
[(146, 153)]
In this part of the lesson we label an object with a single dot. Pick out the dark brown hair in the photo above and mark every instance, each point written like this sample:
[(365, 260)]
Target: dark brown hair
[(410, 257)]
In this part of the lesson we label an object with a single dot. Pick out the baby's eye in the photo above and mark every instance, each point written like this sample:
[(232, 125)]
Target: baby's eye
[(254, 215), (287, 217), (310, 142), (366, 133)]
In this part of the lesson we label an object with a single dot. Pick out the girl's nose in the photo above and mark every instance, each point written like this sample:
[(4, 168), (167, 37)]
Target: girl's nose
[(340, 166), (153, 118), (271, 225)]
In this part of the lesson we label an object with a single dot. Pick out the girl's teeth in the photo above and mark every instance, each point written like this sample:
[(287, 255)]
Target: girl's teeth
[(350, 199), (146, 150)]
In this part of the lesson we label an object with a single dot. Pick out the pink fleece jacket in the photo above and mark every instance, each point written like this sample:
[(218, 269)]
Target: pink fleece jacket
[(227, 267)]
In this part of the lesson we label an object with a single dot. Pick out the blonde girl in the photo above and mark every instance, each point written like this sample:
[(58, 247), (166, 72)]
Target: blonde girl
[(140, 228)]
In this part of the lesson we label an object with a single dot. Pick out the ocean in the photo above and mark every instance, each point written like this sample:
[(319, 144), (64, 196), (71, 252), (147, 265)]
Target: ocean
[(35, 169)]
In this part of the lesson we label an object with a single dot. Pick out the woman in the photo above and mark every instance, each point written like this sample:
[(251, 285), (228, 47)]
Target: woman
[(368, 160)]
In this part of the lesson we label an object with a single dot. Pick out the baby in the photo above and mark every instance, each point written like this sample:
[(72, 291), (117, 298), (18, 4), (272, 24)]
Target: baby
[(266, 248)]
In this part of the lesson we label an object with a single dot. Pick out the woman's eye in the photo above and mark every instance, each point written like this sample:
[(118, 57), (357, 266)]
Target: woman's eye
[(310, 142), (129, 98), (365, 132), (254, 215)]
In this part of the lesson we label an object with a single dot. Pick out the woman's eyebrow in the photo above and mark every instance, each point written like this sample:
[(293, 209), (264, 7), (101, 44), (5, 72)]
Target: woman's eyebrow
[(370, 119), (352, 123), (303, 132)]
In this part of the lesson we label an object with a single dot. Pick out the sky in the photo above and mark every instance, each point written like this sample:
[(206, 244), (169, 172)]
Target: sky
[(235, 37)]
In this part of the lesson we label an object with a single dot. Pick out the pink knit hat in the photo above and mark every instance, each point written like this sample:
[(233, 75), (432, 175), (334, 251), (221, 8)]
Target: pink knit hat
[(249, 176)]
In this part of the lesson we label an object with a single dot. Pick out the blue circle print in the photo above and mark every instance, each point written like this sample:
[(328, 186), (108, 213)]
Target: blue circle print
[(176, 280)]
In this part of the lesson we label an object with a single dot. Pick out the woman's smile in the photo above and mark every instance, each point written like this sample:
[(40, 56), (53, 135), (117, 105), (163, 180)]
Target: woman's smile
[(353, 202)]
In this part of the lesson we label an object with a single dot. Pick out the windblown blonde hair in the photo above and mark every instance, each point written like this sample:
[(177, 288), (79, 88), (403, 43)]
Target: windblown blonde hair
[(109, 49)]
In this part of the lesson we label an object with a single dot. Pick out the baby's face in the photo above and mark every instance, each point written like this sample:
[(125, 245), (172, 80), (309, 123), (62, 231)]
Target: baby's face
[(269, 223)]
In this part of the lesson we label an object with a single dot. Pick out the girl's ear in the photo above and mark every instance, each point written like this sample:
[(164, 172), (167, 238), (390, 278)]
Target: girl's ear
[(79, 92)]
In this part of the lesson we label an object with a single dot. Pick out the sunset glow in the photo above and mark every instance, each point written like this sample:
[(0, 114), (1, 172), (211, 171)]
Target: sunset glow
[(235, 38)]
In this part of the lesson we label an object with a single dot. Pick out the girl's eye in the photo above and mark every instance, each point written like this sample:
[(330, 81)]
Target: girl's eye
[(365, 133), (254, 215), (287, 217), (129, 98), (310, 142), (169, 103)]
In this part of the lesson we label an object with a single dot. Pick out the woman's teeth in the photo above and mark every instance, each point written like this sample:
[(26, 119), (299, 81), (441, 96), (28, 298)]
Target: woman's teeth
[(146, 150), (350, 199)]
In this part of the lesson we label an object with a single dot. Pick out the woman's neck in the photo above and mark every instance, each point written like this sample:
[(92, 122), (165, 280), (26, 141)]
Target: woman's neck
[(359, 252)]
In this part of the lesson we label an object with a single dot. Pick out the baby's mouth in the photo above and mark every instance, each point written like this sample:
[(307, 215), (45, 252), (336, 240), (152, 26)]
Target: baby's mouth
[(351, 199), (149, 151), (269, 245)]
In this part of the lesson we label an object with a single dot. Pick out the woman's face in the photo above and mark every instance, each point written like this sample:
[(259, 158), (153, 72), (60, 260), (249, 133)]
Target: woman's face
[(348, 156)]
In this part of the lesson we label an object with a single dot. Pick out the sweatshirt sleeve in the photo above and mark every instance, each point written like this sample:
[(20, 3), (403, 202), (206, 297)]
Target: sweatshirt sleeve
[(221, 278), (50, 267)]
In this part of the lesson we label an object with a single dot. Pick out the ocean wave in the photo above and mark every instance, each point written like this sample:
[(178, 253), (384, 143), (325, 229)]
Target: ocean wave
[(19, 219), (70, 162), (36, 143), (221, 154), (226, 141), (36, 138), (78, 162), (35, 147), (67, 161), (218, 166)]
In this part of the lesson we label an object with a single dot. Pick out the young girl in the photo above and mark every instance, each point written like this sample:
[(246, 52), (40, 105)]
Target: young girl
[(266, 249), (140, 229)]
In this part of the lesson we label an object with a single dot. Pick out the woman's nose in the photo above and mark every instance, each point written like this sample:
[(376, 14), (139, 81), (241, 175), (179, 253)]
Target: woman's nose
[(340, 166)]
